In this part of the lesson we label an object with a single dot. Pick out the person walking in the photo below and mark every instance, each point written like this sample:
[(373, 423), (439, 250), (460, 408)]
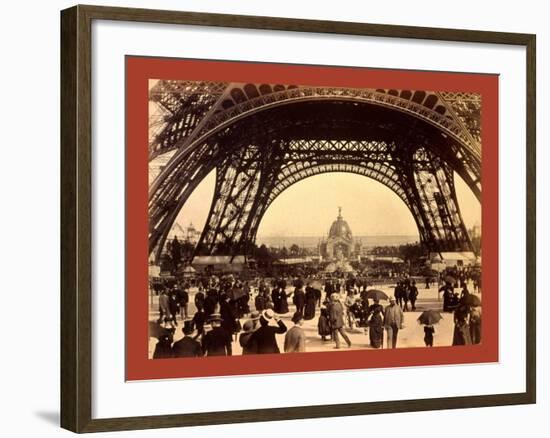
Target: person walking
[(447, 290), (163, 349), (187, 346), (244, 338), (413, 295), (405, 296), (280, 298), (376, 324), (228, 315), (349, 302), (295, 338), (299, 299), (198, 321), (311, 303), (164, 309), (393, 322), (323, 325), (329, 289), (336, 318), (182, 297), (429, 331), (264, 337), (464, 293), (210, 301), (475, 325), (398, 294), (217, 342), (260, 301), (461, 333), (173, 306), (199, 299)]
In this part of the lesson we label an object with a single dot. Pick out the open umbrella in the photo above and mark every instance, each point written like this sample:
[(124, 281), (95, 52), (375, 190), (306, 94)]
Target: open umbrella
[(429, 317), (450, 279), (472, 300), (316, 284), (375, 294)]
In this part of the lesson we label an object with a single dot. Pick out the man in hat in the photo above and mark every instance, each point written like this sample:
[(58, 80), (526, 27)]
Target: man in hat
[(217, 342), (228, 314), (264, 336), (182, 296), (164, 309), (280, 298), (393, 322), (336, 317), (163, 349), (199, 299), (413, 295), (199, 319), (295, 339), (173, 306), (188, 346), (245, 336), (255, 318)]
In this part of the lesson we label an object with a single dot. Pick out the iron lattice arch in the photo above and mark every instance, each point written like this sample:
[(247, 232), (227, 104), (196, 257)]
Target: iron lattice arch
[(262, 139)]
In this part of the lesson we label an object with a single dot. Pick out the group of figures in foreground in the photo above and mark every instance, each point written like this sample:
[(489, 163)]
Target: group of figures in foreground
[(216, 324)]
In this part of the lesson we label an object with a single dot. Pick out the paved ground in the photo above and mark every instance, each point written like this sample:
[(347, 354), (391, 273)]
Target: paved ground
[(412, 334)]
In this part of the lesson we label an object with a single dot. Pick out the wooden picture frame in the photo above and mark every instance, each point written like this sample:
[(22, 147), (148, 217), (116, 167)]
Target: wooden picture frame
[(76, 217)]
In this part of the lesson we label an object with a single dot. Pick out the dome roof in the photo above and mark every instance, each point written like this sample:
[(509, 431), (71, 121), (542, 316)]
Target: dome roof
[(340, 228)]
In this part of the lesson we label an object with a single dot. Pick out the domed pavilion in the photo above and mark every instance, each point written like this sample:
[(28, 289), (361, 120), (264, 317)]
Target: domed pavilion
[(340, 244)]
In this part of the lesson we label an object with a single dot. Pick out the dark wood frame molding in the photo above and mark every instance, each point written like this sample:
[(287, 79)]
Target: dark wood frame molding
[(76, 178)]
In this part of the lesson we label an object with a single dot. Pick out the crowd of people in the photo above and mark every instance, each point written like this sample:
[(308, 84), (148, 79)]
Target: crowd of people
[(224, 316)]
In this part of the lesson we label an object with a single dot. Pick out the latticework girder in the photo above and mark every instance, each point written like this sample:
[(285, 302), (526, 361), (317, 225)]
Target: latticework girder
[(261, 144)]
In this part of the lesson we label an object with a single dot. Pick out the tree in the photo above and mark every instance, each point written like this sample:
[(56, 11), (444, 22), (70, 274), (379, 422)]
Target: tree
[(295, 250), (263, 254), (284, 253), (175, 252), (411, 252)]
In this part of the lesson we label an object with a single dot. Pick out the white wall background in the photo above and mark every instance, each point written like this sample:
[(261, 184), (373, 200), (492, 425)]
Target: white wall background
[(29, 218)]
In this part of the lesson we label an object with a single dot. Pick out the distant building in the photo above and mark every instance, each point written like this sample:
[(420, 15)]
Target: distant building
[(340, 244), (192, 234), (459, 259), (189, 234)]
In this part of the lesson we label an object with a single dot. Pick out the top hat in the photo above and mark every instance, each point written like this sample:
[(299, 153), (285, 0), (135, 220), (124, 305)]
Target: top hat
[(215, 317), (188, 327)]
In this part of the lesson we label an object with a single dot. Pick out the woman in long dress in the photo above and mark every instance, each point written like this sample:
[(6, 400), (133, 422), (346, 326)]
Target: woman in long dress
[(376, 325), (461, 334), (311, 302), (323, 326)]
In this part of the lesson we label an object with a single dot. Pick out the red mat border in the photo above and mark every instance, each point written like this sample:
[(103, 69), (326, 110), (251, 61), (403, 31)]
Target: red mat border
[(138, 72)]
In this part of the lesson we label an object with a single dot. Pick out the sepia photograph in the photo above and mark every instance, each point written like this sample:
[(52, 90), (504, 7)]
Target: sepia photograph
[(272, 219), (287, 218)]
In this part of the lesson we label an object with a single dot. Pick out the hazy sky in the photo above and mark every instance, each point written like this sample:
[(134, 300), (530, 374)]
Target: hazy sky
[(309, 207)]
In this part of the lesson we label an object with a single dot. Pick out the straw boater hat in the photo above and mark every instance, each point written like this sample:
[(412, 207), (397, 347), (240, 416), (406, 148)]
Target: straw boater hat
[(268, 314)]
